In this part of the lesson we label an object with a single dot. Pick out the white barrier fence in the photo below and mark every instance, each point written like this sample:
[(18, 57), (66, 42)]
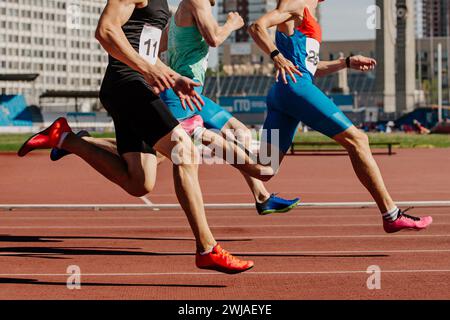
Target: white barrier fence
[(94, 121)]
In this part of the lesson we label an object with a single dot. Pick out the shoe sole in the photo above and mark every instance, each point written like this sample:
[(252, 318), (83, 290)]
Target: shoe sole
[(408, 229), (287, 209), (223, 270)]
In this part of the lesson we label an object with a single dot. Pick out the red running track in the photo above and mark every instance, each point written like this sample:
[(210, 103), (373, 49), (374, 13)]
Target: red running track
[(305, 254)]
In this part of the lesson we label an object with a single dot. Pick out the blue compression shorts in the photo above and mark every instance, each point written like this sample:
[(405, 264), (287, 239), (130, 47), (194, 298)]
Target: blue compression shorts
[(290, 104), (213, 115)]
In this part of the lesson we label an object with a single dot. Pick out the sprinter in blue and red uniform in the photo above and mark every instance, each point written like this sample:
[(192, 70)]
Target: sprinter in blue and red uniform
[(294, 98)]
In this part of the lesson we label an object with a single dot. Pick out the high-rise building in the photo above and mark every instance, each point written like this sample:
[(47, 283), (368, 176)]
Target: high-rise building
[(385, 54), (54, 39), (396, 53), (239, 50), (419, 19), (434, 17)]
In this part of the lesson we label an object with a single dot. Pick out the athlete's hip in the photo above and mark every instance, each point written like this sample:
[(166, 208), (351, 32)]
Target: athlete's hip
[(292, 90)]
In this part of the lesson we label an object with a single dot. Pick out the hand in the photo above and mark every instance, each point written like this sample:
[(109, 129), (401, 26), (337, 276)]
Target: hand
[(362, 63), (184, 89), (159, 78), (235, 20), (284, 66)]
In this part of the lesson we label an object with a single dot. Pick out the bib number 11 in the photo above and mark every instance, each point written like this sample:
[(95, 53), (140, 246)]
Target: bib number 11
[(149, 43)]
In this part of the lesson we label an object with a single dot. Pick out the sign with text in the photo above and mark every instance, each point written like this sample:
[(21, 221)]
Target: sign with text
[(244, 104)]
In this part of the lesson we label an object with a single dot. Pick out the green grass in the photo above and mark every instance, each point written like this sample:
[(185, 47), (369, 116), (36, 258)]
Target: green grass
[(405, 140), (12, 142)]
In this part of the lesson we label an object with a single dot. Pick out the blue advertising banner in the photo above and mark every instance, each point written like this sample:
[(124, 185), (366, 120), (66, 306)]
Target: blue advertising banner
[(255, 104), (342, 99), (244, 104)]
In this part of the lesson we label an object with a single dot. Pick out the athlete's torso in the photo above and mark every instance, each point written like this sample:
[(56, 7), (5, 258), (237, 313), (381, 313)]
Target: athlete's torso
[(187, 51), (303, 47), (143, 31)]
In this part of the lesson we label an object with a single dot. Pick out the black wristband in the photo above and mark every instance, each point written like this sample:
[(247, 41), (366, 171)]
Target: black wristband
[(347, 61), (274, 53)]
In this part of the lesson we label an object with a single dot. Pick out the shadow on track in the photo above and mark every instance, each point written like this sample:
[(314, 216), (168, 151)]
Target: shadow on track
[(95, 251), (9, 238), (96, 284)]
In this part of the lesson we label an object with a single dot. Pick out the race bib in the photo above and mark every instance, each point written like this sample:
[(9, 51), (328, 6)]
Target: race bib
[(312, 55), (149, 43)]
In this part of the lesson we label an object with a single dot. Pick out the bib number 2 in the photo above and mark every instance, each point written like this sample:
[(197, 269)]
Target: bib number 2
[(312, 58), (149, 43)]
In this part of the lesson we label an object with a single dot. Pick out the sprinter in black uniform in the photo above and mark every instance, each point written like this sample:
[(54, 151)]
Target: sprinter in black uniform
[(130, 31)]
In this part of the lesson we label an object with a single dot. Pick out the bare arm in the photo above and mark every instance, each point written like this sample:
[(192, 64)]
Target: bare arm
[(286, 10), (214, 34), (164, 40), (360, 63), (159, 76), (111, 36), (325, 68)]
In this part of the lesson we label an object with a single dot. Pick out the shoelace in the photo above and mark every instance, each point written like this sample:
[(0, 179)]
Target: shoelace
[(229, 256), (403, 214)]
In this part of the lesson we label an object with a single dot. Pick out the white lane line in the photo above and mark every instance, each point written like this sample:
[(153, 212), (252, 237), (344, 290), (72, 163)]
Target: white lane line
[(255, 273), (244, 236), (406, 251), (239, 226), (149, 203), (392, 237), (63, 216), (326, 194), (272, 253), (225, 206)]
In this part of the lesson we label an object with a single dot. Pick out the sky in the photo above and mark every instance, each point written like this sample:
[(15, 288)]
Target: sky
[(345, 20), (342, 19)]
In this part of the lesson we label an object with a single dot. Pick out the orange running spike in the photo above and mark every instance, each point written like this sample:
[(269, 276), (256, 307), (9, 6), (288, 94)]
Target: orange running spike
[(221, 260)]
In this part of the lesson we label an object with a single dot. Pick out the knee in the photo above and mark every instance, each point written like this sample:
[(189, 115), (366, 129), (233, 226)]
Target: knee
[(185, 153), (138, 188), (137, 191), (357, 141), (266, 177), (266, 173)]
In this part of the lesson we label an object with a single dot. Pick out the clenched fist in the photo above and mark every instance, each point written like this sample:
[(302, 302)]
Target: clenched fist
[(235, 20), (362, 63)]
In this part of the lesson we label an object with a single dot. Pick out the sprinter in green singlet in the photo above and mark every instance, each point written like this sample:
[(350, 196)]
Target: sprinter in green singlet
[(191, 31)]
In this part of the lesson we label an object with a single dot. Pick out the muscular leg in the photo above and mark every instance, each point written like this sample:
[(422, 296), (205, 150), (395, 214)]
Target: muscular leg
[(308, 104), (257, 187), (357, 145), (134, 172), (241, 159), (110, 144), (187, 187)]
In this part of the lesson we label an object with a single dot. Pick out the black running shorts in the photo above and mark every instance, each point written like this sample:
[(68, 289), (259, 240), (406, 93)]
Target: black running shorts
[(140, 117)]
